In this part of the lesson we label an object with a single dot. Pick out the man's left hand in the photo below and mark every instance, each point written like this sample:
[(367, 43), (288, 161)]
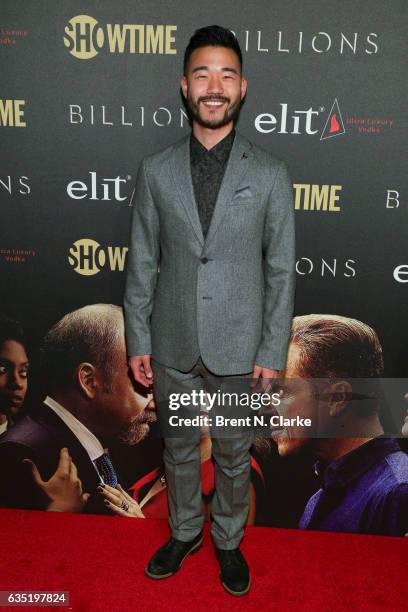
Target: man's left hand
[(264, 374)]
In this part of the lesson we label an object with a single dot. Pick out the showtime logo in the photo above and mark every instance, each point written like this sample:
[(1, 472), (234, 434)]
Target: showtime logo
[(84, 37), (302, 121), (87, 257), (325, 198), (12, 113)]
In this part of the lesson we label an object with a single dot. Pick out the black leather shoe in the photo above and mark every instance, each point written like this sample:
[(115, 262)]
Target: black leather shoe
[(169, 558), (234, 575)]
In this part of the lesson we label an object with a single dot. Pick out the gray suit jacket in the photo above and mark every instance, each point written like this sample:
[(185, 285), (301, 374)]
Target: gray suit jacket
[(228, 298)]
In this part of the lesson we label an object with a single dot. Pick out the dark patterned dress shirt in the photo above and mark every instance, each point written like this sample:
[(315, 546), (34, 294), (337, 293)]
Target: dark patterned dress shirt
[(207, 172)]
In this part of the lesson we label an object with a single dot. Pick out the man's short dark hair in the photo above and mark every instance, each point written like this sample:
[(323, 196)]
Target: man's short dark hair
[(215, 36), (336, 346), (90, 334)]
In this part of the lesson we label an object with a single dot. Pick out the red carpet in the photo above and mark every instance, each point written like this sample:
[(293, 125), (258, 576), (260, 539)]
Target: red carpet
[(100, 561)]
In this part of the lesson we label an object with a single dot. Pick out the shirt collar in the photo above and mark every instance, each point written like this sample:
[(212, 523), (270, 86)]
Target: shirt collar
[(354, 464), (220, 151), (4, 426), (88, 440)]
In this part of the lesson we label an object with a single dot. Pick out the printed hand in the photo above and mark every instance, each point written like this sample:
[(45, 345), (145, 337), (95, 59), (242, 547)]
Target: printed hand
[(120, 502), (64, 488)]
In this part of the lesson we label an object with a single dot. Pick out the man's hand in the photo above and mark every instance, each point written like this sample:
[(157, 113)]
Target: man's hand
[(64, 488), (265, 374), (142, 371)]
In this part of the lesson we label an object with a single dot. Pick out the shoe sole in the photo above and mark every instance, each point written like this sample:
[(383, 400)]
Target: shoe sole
[(192, 550), (236, 593)]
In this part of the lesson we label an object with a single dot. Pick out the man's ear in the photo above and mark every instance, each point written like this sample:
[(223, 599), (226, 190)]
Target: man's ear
[(87, 379), (183, 85), (339, 395), (244, 84)]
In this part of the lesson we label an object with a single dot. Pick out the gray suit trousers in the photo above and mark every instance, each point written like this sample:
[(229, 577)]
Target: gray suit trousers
[(182, 463)]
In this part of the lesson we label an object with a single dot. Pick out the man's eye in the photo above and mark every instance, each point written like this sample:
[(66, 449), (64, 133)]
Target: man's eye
[(3, 369)]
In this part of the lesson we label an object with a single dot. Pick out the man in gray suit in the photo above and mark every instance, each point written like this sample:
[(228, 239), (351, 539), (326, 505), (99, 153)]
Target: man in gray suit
[(209, 290)]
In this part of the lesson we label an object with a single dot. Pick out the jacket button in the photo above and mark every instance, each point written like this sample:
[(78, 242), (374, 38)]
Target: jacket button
[(204, 260)]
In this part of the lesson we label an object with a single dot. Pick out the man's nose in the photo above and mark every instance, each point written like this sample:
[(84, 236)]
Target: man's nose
[(215, 84)]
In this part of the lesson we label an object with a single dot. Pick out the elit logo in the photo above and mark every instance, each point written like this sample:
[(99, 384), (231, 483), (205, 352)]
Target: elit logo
[(400, 273), (302, 121), (99, 189), (87, 257), (84, 38)]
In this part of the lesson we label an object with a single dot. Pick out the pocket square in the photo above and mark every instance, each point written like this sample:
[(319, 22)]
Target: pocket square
[(244, 192)]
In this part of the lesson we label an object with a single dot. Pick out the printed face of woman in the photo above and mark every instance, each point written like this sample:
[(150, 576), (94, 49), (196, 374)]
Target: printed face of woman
[(13, 376)]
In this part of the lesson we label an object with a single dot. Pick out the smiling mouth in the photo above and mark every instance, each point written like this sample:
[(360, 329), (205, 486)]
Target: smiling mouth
[(214, 103)]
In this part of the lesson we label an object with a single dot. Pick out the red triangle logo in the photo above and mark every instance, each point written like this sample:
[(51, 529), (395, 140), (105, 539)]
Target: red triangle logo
[(334, 125)]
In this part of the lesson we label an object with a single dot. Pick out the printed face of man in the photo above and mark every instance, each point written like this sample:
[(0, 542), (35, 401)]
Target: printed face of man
[(298, 398), (213, 86), (13, 376), (127, 410)]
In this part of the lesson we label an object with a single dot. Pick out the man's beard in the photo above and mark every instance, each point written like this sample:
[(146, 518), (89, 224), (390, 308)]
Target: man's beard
[(263, 445), (231, 112), (137, 430)]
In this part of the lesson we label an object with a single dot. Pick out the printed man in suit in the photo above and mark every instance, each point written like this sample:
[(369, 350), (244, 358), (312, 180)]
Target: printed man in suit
[(90, 398), (332, 377), (215, 214)]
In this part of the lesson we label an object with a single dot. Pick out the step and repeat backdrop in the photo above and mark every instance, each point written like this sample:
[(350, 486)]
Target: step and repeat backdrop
[(88, 89)]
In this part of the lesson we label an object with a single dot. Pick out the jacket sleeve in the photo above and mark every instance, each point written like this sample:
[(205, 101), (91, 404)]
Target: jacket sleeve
[(279, 273), (142, 267), (17, 486)]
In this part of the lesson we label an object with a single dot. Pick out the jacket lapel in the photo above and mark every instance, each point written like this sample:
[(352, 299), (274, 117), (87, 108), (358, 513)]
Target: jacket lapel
[(181, 171)]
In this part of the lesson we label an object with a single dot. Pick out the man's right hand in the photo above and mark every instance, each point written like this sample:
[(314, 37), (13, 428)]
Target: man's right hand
[(142, 371), (64, 488)]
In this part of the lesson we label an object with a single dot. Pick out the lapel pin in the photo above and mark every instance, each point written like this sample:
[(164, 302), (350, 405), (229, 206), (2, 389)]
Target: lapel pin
[(244, 156)]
